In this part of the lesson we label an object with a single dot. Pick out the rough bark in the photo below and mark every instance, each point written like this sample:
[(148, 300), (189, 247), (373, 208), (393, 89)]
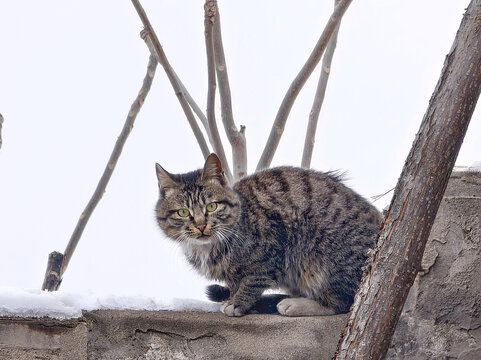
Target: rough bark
[(104, 180), (402, 240)]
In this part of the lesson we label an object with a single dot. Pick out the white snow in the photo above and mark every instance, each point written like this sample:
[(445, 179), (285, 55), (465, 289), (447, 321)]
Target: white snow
[(66, 305), (475, 166)]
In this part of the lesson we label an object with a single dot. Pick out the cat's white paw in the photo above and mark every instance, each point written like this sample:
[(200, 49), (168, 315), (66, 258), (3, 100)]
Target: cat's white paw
[(302, 307), (230, 310)]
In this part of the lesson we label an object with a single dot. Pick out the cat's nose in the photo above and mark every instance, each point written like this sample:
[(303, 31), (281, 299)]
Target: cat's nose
[(201, 226)]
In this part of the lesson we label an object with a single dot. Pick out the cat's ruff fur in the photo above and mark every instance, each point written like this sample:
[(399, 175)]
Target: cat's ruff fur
[(299, 230)]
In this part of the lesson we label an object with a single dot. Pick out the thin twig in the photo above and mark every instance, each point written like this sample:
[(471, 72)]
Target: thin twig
[(188, 97), (197, 110), (236, 137), (298, 83), (203, 119), (380, 196), (109, 169), (1, 123), (209, 18), (319, 98), (158, 52)]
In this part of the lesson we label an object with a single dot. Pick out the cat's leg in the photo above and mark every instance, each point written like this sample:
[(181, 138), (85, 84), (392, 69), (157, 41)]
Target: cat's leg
[(303, 307), (247, 295)]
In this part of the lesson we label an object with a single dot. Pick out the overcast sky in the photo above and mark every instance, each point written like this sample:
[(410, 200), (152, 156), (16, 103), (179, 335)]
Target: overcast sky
[(70, 70)]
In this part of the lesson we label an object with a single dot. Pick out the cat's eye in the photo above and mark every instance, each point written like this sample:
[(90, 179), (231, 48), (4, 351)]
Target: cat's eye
[(183, 212), (211, 206)]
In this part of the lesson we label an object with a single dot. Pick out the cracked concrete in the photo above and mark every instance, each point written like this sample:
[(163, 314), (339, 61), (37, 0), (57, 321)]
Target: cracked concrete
[(24, 339), (442, 315), (191, 335)]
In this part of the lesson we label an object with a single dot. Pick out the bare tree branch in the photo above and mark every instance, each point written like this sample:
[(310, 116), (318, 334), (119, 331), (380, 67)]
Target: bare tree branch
[(298, 83), (52, 279), (397, 259), (209, 18), (236, 137), (178, 89), (197, 110), (1, 123), (109, 169), (319, 98), (203, 119)]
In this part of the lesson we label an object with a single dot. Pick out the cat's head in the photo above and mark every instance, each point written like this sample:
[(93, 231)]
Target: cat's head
[(199, 205)]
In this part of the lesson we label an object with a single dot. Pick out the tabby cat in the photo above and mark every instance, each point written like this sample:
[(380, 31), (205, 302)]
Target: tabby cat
[(299, 230)]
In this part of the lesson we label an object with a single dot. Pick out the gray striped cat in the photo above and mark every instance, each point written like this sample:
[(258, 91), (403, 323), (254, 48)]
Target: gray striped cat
[(299, 230)]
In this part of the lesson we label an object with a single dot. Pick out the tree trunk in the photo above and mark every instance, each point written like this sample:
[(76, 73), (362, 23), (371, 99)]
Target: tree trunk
[(397, 259)]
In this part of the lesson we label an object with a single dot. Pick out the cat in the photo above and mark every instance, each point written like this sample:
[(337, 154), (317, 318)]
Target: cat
[(288, 228)]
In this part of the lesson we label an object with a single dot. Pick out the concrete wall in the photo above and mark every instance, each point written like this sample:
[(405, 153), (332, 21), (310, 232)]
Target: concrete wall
[(441, 319), (442, 315), (129, 334)]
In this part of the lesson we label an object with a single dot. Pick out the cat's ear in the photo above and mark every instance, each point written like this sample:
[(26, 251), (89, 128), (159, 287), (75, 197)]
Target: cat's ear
[(213, 169), (166, 181)]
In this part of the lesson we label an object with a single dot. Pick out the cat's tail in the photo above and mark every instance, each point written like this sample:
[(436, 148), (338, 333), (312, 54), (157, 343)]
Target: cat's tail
[(266, 305), (217, 293)]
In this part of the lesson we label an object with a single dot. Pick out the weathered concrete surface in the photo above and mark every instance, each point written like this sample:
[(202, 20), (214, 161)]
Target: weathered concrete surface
[(441, 319), (191, 335), (442, 316), (149, 335), (25, 339)]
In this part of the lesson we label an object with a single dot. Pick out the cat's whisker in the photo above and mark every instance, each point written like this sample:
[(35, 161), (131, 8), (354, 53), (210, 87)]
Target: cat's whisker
[(224, 237), (231, 234)]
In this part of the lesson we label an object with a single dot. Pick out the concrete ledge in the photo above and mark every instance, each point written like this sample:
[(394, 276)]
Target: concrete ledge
[(129, 334), (44, 338), (194, 335)]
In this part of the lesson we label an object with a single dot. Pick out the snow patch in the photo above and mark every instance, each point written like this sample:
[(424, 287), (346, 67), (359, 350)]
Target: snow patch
[(475, 166), (67, 305)]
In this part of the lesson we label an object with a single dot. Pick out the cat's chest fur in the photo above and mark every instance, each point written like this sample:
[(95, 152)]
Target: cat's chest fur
[(205, 260)]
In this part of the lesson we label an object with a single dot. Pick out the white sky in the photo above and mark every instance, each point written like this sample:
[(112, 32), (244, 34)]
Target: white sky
[(70, 70)]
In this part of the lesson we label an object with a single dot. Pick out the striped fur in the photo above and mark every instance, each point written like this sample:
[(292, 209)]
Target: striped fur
[(299, 230)]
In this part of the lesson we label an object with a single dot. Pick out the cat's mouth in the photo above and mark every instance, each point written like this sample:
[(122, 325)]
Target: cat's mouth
[(202, 239)]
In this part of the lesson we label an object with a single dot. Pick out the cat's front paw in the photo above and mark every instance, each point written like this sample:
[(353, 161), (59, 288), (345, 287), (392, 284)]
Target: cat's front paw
[(229, 309)]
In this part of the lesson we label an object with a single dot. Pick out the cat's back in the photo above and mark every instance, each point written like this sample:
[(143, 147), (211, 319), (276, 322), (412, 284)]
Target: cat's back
[(293, 193)]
